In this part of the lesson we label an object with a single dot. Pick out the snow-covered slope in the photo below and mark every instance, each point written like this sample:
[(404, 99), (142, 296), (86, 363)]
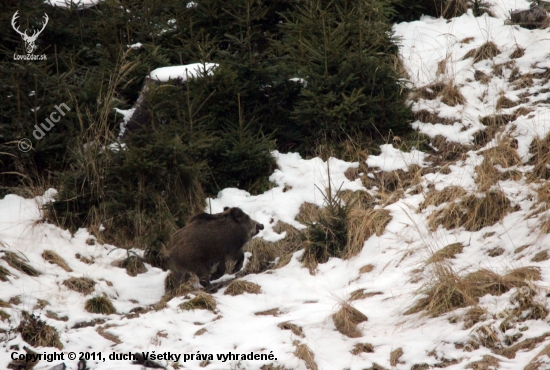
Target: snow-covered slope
[(384, 279)]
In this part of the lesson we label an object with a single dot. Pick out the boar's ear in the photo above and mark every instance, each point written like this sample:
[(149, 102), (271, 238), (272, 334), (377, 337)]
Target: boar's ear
[(237, 214), (225, 208)]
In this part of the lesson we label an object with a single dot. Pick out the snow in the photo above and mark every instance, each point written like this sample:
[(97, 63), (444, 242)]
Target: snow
[(73, 3), (398, 255), (164, 74)]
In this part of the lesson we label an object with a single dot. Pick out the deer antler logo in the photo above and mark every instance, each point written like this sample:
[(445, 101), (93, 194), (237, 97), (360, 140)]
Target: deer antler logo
[(29, 40)]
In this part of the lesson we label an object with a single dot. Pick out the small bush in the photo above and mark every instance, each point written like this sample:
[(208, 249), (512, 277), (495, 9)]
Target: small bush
[(346, 320), (100, 304), (37, 333), (237, 287), (82, 285), (201, 301)]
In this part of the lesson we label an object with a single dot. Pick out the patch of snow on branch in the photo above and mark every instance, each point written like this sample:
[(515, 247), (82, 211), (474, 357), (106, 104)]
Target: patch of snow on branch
[(183, 72)]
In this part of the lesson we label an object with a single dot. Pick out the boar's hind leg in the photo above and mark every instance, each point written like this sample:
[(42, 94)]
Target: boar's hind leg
[(220, 271)]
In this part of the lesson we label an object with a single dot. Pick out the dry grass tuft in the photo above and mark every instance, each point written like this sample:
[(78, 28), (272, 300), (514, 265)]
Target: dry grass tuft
[(270, 312), (504, 155), (182, 289), (362, 348), (4, 273), (305, 354), (540, 360), (100, 304), (295, 329), (540, 149), (540, 256), (4, 316), (526, 345), (452, 96), (517, 53), (202, 301), (56, 259), (486, 363), (133, 264), (82, 285), (4, 304), (237, 287), (102, 330), (17, 263), (360, 294), (438, 197), (366, 268), (474, 315), (394, 357), (497, 119), (449, 251), (503, 103), (472, 212), (523, 82), (37, 333), (429, 92), (55, 316), (362, 224), (346, 320), (426, 116), (449, 291), (488, 50)]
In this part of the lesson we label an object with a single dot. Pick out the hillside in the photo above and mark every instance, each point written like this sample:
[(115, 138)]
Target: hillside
[(452, 269)]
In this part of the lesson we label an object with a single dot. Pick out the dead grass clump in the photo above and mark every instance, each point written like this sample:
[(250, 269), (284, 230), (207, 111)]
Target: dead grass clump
[(362, 348), (37, 333), (17, 263), (346, 320), (540, 360), (426, 116), (82, 285), (100, 304), (449, 291), (56, 259), (392, 181), (503, 103), (202, 301), (518, 52), (305, 354), (182, 288), (4, 316), (237, 287), (488, 50), (366, 268), (526, 345), (523, 82), (452, 96), (295, 329), (4, 304), (394, 357), (495, 252), (472, 212), (486, 363), (55, 316), (474, 315), (482, 137), (497, 119), (540, 149), (540, 256), (360, 294), (447, 151), (362, 224), (270, 312), (504, 155), (4, 273), (449, 251), (133, 264), (102, 330), (309, 212), (438, 197), (429, 92)]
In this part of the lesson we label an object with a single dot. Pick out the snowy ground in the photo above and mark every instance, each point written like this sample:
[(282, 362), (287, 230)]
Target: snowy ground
[(398, 256)]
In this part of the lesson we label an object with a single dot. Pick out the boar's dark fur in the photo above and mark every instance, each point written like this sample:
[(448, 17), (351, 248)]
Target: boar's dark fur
[(207, 240)]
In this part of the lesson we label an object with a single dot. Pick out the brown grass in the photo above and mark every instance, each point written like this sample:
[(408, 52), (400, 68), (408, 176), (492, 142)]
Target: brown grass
[(488, 50), (202, 301), (540, 256), (518, 52), (429, 92), (362, 224), (449, 251), (540, 149), (295, 329), (486, 363), (133, 264), (4, 273), (237, 287), (270, 312), (452, 96), (537, 363), (366, 268), (497, 119), (100, 304), (472, 212), (17, 263), (82, 285), (503, 103), (523, 82), (55, 316), (474, 315), (362, 348), (4, 316), (526, 345), (37, 333), (448, 291), (102, 330), (395, 355), (305, 354), (56, 259), (426, 116), (360, 294), (504, 155), (438, 197), (346, 320)]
